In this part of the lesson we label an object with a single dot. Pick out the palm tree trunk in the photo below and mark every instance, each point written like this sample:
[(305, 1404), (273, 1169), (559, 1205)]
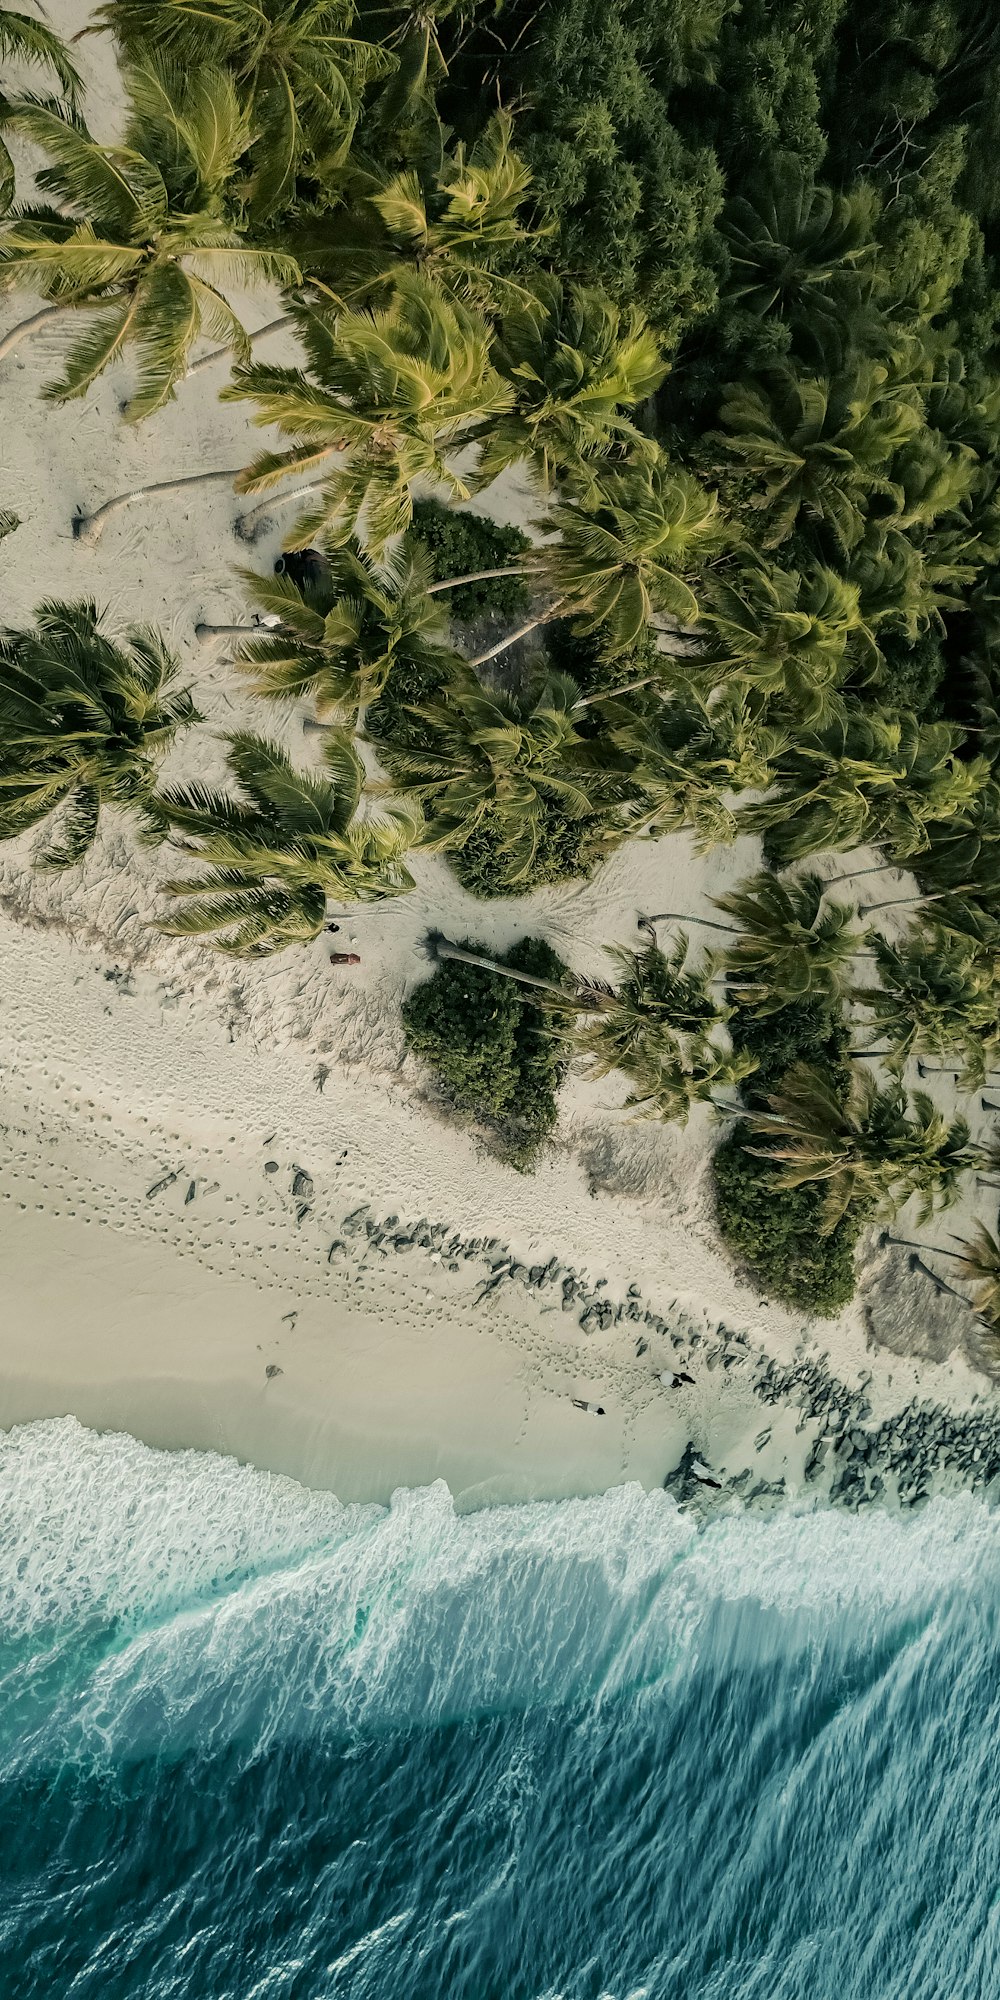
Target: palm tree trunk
[(903, 902), (522, 632), (26, 326), (250, 526), (205, 632), (612, 694), (677, 917), (89, 528), (475, 576), (583, 998), (273, 326), (855, 874)]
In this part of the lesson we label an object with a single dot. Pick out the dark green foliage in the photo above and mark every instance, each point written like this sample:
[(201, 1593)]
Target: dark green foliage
[(632, 196), (911, 674), (566, 848), (492, 1047), (459, 544), (596, 666), (804, 1031), (390, 721), (776, 1231)]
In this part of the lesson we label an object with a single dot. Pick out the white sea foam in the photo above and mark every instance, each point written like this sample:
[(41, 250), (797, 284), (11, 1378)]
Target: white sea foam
[(151, 1597)]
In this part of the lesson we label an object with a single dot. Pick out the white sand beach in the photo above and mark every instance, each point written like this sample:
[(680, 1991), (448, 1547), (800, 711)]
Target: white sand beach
[(211, 1312)]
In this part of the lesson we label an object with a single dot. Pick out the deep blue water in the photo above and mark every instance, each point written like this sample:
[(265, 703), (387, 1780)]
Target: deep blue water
[(255, 1744)]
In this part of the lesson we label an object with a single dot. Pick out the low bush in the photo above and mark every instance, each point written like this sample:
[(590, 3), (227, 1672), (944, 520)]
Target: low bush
[(776, 1231), (494, 1050), (594, 665), (805, 1031), (459, 544), (390, 720), (566, 848)]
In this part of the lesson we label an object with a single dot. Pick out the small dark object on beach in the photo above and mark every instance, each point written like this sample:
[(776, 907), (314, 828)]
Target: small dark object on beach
[(270, 1166), (272, 1370), (592, 1409), (192, 1191), (331, 928), (308, 569), (345, 958)]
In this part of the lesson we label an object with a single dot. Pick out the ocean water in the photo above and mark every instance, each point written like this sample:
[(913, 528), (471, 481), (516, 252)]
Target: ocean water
[(256, 1744)]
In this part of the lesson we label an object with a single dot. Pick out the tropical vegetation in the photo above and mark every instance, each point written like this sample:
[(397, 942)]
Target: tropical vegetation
[(714, 286)]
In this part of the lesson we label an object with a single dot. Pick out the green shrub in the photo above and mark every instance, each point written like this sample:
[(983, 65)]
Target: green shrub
[(411, 683), (805, 1031), (493, 1048), (460, 543), (566, 848), (776, 1231), (593, 665)]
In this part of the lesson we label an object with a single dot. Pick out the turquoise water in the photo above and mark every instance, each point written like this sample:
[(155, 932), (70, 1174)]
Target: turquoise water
[(255, 1744)]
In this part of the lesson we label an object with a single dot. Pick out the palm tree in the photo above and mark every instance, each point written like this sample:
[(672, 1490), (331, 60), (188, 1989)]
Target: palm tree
[(295, 63), (659, 1006), (791, 635), (575, 362), (937, 995), (147, 233), (684, 757), (669, 1087), (979, 1263), (793, 943), (457, 223), (873, 1145), (624, 556), (818, 447), (83, 722), (31, 44), (388, 392), (340, 635), (866, 779), (656, 1026), (504, 759), (802, 253), (271, 857)]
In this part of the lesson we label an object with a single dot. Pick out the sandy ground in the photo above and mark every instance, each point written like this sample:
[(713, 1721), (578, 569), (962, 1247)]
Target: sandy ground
[(127, 1058)]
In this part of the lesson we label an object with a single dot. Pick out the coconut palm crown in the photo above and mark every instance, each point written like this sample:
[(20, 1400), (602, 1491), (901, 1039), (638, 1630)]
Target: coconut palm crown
[(624, 553), (83, 722), (457, 220), (388, 392), (340, 635), (31, 44), (576, 363), (938, 994), (271, 857), (657, 1026), (502, 758), (295, 63), (794, 944), (877, 1146), (147, 236)]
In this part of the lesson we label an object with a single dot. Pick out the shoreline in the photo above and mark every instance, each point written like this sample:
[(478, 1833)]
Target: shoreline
[(169, 1274)]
